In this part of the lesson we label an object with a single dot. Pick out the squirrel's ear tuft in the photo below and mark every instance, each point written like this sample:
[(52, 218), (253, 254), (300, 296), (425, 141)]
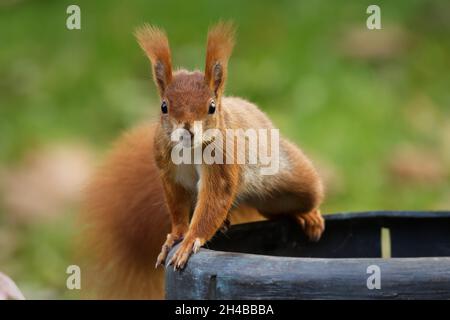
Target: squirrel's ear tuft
[(155, 44), (218, 50)]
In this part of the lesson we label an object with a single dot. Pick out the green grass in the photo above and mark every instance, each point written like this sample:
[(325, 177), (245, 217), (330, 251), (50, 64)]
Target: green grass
[(350, 113)]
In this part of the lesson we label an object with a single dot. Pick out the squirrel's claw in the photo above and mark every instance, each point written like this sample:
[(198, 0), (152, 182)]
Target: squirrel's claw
[(161, 259), (181, 256), (170, 242)]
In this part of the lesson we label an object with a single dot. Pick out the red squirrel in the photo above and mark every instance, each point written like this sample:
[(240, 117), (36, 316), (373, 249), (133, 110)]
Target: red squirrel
[(140, 203)]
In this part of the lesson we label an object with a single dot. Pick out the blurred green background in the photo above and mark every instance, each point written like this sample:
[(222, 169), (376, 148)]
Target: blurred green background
[(371, 107)]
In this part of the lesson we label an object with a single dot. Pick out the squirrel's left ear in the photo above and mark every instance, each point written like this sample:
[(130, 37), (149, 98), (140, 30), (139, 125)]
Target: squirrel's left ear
[(156, 45), (218, 50)]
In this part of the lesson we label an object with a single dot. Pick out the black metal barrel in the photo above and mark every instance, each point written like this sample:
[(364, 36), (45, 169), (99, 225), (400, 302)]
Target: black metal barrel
[(274, 260)]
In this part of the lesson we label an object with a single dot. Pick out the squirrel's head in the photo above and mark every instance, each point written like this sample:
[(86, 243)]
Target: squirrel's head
[(189, 97)]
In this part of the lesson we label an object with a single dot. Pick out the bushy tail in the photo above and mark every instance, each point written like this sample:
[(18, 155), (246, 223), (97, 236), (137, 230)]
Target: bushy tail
[(125, 222)]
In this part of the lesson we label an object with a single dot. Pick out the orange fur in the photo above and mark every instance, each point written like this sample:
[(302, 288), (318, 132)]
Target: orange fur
[(126, 220), (219, 46), (155, 44), (141, 199)]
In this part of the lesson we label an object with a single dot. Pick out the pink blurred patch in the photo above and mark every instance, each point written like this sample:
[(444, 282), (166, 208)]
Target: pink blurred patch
[(8, 289)]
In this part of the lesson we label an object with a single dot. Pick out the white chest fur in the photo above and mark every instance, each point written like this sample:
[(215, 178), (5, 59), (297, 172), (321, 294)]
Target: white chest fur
[(189, 176)]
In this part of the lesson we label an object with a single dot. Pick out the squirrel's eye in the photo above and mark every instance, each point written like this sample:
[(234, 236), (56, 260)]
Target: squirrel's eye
[(212, 107), (164, 107)]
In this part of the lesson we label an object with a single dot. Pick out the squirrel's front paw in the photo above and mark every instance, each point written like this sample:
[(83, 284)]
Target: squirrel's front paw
[(187, 247), (172, 239)]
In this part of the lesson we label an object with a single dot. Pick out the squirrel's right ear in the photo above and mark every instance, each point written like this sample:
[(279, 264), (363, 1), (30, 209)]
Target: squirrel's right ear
[(156, 45)]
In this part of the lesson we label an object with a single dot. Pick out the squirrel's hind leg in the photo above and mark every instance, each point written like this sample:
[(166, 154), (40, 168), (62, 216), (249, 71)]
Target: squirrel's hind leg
[(312, 224), (297, 192), (309, 218)]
